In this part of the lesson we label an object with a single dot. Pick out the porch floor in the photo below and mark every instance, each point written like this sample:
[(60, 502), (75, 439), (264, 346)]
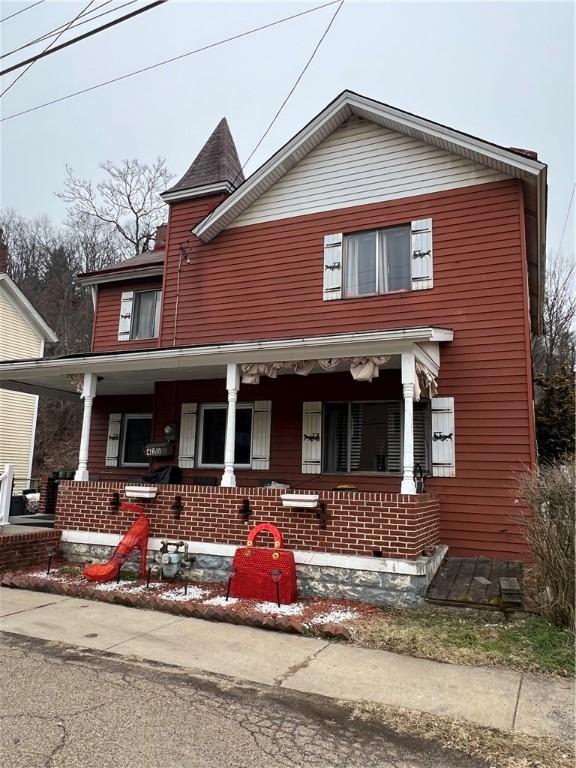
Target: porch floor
[(472, 582)]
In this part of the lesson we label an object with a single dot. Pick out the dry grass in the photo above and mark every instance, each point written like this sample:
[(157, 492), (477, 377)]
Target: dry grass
[(499, 749), (529, 644)]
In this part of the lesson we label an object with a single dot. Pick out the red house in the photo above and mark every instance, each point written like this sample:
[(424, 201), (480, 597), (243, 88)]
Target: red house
[(352, 321)]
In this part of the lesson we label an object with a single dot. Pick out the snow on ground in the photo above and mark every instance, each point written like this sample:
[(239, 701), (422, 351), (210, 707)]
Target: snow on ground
[(221, 600), (49, 576), (334, 617), (294, 609), (193, 593)]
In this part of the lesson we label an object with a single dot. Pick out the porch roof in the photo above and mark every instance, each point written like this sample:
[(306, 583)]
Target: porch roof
[(135, 372)]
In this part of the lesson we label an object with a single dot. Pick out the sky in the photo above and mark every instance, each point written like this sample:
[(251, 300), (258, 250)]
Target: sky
[(503, 71)]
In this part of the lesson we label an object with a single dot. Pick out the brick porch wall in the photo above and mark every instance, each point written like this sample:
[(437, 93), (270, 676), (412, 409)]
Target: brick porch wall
[(18, 550), (359, 522)]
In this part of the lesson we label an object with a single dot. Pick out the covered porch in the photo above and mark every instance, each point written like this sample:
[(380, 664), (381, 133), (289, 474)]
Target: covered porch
[(226, 413)]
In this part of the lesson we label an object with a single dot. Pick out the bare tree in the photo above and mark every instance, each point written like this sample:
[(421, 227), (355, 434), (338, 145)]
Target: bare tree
[(127, 200), (555, 348), (29, 242)]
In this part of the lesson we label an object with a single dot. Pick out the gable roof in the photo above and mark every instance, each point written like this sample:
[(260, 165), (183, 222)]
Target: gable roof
[(505, 160), (216, 166), (23, 305)]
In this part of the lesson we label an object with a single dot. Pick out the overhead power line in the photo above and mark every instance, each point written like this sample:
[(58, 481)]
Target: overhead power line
[(49, 51), (22, 10), (296, 83), (13, 83), (567, 217), (168, 61), (54, 32)]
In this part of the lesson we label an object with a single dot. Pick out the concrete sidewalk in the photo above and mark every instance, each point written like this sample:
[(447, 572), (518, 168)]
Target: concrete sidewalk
[(506, 700)]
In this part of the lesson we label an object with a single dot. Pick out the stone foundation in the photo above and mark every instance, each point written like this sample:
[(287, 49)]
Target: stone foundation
[(387, 583)]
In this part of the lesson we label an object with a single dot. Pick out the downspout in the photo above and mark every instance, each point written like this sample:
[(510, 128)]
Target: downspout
[(177, 297)]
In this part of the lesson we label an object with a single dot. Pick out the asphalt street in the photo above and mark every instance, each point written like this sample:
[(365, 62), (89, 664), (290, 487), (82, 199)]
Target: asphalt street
[(64, 707)]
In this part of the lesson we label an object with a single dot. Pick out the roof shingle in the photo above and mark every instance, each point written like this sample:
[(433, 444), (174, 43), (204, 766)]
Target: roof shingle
[(217, 162)]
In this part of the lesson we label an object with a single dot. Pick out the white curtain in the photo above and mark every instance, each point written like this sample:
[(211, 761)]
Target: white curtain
[(425, 382), (361, 368), (361, 264)]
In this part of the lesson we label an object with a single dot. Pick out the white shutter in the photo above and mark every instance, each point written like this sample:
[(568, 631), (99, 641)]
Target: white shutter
[(261, 424), (443, 437), (187, 443), (312, 438), (394, 437), (332, 267), (125, 320), (421, 250), (113, 444), (421, 442)]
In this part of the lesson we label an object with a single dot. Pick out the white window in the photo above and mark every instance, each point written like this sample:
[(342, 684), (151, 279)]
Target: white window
[(367, 437), (377, 261), (136, 433), (212, 433), (145, 321)]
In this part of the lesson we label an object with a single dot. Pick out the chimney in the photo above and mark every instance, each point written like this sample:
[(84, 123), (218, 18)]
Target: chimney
[(3, 253), (160, 238)]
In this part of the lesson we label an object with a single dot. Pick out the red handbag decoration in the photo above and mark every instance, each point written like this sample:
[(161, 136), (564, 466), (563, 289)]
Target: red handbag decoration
[(264, 573)]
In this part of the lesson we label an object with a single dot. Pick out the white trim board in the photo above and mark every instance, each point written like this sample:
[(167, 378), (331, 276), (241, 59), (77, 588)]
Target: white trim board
[(424, 566)]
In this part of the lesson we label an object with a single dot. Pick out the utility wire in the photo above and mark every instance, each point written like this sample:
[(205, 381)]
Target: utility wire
[(13, 83), (296, 83), (54, 32), (49, 51), (169, 61), (22, 10), (567, 217)]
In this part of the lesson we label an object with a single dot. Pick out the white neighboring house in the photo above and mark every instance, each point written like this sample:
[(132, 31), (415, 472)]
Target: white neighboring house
[(23, 333)]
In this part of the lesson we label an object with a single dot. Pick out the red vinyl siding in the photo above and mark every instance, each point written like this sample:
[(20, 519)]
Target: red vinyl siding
[(265, 281), (105, 334)]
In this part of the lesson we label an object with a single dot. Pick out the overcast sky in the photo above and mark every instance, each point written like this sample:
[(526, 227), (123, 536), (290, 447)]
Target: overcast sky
[(501, 71)]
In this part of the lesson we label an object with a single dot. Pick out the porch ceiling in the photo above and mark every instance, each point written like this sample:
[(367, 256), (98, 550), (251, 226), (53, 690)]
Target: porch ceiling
[(136, 372)]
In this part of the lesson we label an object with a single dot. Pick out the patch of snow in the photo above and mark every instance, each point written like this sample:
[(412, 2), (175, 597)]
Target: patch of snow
[(221, 600), (293, 609), (333, 617), (194, 593), (48, 576)]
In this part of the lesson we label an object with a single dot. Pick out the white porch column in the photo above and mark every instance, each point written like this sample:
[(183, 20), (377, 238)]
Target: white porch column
[(88, 393), (408, 388), (232, 385)]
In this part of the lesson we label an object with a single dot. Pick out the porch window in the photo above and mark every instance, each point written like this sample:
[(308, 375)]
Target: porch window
[(212, 434), (136, 432), (377, 261), (367, 437), (145, 315)]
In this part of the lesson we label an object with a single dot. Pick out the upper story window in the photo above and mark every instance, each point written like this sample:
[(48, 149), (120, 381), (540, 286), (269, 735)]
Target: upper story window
[(139, 315), (145, 315), (377, 261)]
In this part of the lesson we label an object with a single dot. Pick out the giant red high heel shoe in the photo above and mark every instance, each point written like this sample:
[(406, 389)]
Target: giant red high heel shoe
[(137, 536)]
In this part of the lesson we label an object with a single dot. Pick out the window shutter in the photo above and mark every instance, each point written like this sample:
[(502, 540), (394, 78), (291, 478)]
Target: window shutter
[(421, 418), (187, 443), (113, 444), (443, 437), (421, 247), (332, 267), (125, 320), (261, 424), (312, 438), (394, 437)]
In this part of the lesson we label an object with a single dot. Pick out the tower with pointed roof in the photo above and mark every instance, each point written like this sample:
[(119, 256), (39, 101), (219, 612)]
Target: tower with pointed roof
[(216, 168)]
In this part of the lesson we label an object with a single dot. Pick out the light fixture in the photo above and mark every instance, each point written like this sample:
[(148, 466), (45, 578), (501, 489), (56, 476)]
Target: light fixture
[(170, 433)]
